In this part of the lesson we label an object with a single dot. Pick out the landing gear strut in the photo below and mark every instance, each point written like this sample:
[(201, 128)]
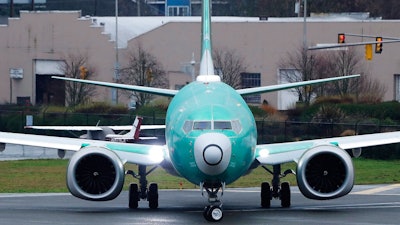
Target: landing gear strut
[(142, 192), (278, 190), (213, 212)]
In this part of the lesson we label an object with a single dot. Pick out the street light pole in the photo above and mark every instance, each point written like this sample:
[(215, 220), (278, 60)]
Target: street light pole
[(116, 69), (305, 25)]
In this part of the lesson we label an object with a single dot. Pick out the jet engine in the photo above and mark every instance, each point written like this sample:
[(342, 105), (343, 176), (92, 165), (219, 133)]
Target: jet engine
[(325, 172), (95, 173)]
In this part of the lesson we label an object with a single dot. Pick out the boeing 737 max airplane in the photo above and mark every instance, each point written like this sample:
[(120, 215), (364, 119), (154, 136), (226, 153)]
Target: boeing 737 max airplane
[(210, 141)]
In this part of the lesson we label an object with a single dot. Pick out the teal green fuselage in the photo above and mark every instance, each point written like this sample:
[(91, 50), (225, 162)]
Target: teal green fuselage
[(214, 101)]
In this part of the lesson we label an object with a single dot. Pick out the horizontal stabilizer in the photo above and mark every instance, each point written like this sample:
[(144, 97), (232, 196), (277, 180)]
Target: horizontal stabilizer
[(150, 90), (278, 87)]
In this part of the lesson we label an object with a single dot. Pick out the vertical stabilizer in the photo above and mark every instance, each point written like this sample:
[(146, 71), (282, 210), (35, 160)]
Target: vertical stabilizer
[(136, 128), (206, 63), (133, 134)]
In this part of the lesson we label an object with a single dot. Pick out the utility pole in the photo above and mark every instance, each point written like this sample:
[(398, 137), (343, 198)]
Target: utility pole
[(11, 8), (305, 26), (116, 69)]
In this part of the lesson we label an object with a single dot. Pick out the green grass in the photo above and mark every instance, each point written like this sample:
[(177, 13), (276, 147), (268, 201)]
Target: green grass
[(49, 175)]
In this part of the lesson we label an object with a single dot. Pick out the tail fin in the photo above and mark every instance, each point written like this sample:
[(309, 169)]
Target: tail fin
[(206, 63), (135, 131)]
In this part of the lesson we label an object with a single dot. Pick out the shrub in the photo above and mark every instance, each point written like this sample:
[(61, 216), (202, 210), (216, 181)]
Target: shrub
[(101, 107)]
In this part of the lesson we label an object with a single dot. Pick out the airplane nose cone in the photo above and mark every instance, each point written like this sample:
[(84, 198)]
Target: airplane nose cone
[(212, 153)]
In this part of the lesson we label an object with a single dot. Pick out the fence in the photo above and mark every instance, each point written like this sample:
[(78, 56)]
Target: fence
[(273, 132), (268, 131)]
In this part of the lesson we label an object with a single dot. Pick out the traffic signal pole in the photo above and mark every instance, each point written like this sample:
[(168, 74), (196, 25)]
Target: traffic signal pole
[(352, 44), (368, 44)]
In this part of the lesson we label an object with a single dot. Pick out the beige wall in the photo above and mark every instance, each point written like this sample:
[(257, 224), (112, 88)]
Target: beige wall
[(50, 36), (263, 44)]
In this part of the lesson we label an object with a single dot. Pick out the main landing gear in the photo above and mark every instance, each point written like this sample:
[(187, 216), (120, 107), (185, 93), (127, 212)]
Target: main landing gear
[(278, 190), (142, 192), (213, 212)]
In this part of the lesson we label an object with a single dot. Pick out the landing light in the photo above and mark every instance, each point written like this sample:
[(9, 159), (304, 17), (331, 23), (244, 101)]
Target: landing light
[(263, 153), (156, 153)]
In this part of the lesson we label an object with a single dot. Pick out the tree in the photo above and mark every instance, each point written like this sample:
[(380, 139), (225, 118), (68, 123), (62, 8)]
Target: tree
[(230, 65), (77, 66), (301, 66), (348, 62), (311, 65), (143, 69)]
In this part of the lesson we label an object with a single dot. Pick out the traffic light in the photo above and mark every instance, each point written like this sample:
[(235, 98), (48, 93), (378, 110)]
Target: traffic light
[(368, 52), (378, 45), (341, 38), (83, 72)]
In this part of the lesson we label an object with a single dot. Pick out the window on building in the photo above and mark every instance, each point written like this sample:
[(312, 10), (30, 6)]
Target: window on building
[(178, 11), (250, 80)]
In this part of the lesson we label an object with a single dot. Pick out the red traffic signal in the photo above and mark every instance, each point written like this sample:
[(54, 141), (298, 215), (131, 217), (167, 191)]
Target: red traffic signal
[(341, 38)]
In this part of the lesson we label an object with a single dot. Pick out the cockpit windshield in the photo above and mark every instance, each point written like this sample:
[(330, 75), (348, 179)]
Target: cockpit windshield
[(234, 125), (222, 125), (202, 125)]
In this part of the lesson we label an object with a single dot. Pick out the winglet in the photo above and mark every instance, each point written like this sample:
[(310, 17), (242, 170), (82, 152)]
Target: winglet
[(207, 73)]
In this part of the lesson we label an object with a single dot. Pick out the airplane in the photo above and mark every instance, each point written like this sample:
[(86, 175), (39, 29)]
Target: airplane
[(211, 141), (108, 132)]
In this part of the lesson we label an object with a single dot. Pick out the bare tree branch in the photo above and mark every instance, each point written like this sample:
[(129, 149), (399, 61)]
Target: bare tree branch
[(343, 63), (77, 66), (305, 64), (230, 66), (143, 69)]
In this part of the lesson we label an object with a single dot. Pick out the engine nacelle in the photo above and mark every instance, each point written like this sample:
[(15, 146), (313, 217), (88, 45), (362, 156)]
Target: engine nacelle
[(95, 173), (325, 172)]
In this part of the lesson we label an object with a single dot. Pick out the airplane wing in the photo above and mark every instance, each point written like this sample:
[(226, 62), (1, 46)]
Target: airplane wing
[(278, 87), (95, 128), (272, 154), (142, 127), (70, 128), (132, 153), (150, 90)]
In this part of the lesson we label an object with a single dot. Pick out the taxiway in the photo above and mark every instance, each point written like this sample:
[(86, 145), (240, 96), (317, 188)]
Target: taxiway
[(376, 204)]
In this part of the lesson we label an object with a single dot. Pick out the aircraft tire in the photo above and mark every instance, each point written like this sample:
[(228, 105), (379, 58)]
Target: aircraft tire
[(213, 213), (152, 196), (133, 196), (205, 213), (265, 195), (285, 195)]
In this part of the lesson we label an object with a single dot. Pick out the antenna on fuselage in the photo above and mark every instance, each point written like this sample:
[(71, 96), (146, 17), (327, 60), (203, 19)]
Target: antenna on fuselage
[(207, 72)]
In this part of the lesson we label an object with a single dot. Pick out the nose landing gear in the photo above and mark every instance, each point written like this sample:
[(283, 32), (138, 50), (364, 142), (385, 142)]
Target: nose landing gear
[(213, 212)]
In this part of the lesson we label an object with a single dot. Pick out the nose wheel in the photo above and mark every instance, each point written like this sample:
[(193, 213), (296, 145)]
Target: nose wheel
[(213, 212)]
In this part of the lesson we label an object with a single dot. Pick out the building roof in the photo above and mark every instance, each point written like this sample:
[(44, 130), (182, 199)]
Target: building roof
[(131, 27)]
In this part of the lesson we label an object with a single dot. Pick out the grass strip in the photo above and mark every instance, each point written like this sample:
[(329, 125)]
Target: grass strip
[(41, 176)]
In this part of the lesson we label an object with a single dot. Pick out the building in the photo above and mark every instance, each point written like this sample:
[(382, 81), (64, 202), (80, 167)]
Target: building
[(33, 45)]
